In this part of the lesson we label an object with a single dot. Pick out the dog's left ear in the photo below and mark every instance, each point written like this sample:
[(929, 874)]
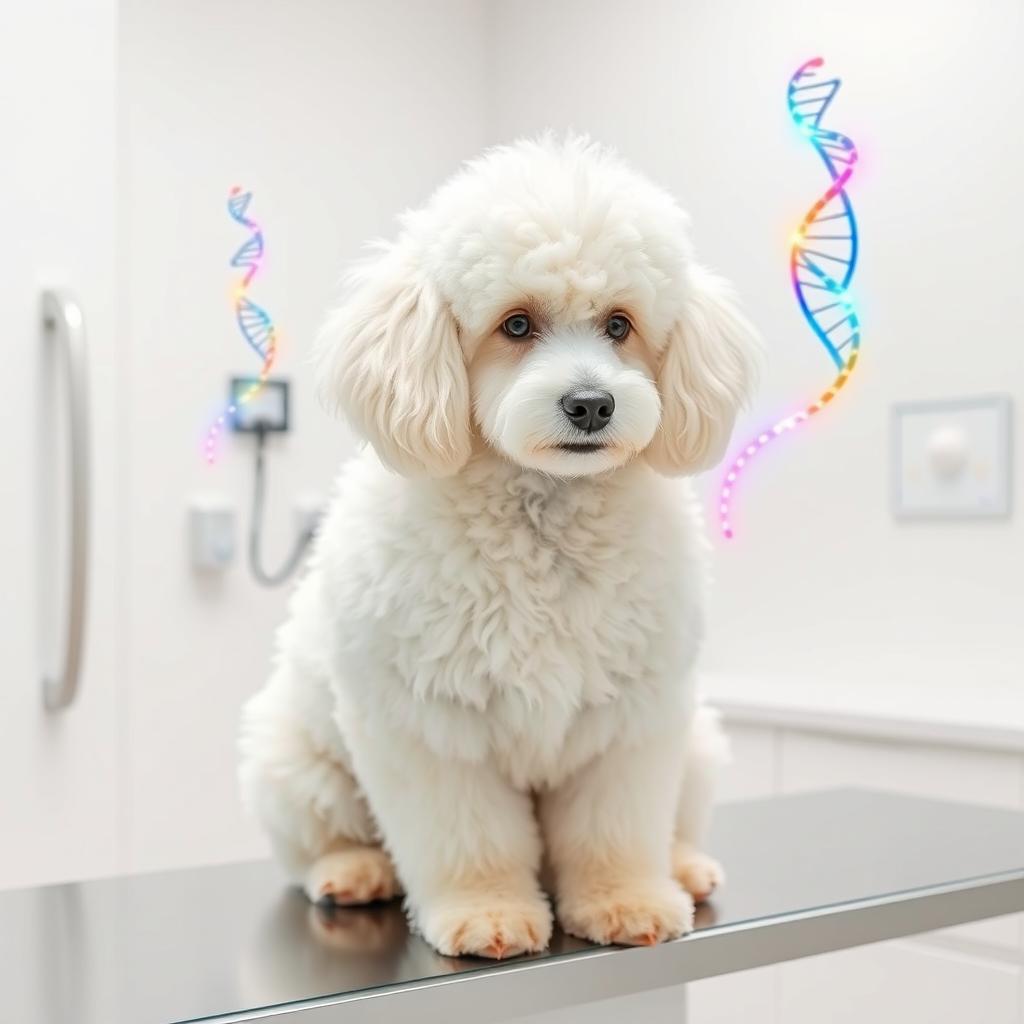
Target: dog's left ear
[(389, 359), (707, 373)]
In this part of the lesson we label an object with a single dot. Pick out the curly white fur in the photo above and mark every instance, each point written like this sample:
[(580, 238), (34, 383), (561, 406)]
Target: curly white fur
[(490, 658)]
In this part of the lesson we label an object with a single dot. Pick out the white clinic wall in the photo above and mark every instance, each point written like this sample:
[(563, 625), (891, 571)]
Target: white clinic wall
[(821, 582), (340, 114), (337, 115)]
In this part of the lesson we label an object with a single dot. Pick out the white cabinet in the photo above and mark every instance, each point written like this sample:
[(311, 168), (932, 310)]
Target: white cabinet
[(902, 983), (971, 973), (59, 804), (660, 1005), (814, 761), (747, 997), (808, 761)]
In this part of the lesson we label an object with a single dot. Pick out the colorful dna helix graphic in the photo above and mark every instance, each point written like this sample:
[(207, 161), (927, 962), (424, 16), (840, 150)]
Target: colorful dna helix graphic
[(821, 264), (253, 321)]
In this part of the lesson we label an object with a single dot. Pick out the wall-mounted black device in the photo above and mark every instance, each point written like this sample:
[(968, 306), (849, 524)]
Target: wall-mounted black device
[(265, 412)]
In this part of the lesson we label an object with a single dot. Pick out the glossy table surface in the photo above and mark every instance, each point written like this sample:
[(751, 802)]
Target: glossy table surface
[(806, 874)]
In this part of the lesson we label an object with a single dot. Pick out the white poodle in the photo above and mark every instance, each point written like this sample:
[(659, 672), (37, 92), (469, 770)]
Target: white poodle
[(489, 662)]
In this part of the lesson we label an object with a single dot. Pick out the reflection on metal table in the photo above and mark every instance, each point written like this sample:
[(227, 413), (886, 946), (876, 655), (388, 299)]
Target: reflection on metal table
[(807, 874)]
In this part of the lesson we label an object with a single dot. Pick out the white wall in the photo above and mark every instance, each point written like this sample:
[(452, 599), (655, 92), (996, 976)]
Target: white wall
[(58, 813), (337, 116), (821, 581)]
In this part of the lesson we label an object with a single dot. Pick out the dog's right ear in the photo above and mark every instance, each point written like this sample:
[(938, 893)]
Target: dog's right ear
[(390, 360), (707, 373)]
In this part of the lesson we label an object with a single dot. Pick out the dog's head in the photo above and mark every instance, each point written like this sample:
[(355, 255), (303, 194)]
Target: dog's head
[(544, 301)]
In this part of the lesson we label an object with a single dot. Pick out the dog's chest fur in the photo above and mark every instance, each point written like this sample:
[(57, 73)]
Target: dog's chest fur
[(505, 614)]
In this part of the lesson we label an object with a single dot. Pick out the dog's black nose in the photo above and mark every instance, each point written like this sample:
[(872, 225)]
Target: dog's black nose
[(588, 409)]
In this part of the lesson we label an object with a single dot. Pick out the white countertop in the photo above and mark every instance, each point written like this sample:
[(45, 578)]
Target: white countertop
[(987, 715)]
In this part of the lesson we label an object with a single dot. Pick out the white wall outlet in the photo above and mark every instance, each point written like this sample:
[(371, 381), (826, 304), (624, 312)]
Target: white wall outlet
[(951, 459), (211, 528)]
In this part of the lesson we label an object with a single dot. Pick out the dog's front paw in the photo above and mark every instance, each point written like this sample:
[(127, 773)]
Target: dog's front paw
[(360, 874), (695, 871), (496, 927), (629, 913)]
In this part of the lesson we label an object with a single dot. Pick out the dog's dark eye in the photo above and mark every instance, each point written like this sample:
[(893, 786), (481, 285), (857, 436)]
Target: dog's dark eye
[(517, 326), (618, 327)]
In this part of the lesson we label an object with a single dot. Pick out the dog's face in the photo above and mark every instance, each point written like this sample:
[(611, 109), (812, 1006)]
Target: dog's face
[(544, 303), (568, 396)]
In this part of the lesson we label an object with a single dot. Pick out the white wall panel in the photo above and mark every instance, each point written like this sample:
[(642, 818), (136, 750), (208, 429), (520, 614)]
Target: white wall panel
[(337, 115), (820, 582)]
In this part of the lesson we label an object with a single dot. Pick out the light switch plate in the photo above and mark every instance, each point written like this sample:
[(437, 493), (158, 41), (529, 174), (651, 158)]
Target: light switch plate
[(951, 459), (211, 526)]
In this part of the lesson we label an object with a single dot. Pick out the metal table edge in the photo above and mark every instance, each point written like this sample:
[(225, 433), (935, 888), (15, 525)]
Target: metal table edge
[(502, 992)]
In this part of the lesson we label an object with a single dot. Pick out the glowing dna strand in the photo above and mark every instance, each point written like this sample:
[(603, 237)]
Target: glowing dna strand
[(253, 321), (821, 263)]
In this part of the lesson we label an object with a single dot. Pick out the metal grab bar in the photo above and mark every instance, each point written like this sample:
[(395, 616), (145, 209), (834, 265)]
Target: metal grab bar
[(64, 326)]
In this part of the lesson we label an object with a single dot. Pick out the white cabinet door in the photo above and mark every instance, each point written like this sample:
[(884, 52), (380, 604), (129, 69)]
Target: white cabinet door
[(898, 983), (58, 803), (810, 761), (746, 997)]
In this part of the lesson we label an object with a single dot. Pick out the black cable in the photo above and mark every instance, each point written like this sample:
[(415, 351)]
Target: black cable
[(269, 579)]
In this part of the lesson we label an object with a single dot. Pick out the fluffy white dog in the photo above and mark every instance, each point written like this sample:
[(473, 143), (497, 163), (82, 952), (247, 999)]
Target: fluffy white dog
[(489, 661)]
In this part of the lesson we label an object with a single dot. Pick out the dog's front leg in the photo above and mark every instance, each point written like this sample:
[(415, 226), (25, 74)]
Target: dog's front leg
[(465, 843), (608, 830)]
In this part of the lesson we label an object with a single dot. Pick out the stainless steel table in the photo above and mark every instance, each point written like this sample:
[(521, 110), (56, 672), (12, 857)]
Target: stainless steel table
[(808, 874)]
